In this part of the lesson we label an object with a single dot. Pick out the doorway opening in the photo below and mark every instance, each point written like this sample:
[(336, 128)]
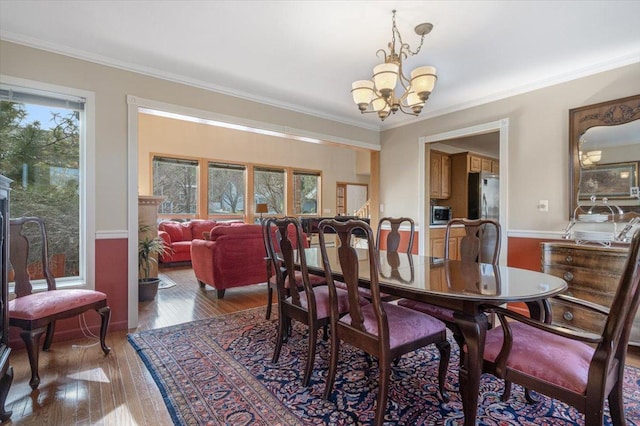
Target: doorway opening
[(457, 140)]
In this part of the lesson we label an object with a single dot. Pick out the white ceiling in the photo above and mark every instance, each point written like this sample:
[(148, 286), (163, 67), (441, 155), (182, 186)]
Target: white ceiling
[(303, 55)]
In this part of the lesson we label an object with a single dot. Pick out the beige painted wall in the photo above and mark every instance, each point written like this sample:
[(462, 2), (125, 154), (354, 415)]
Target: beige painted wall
[(162, 135), (111, 87), (538, 150)]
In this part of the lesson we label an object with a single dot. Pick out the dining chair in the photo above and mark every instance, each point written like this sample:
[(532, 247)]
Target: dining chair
[(480, 244), (315, 280), (383, 330), (35, 313), (577, 367), (306, 303), (394, 238)]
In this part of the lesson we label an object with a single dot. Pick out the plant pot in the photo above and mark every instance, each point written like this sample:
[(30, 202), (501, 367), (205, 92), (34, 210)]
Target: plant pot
[(147, 289)]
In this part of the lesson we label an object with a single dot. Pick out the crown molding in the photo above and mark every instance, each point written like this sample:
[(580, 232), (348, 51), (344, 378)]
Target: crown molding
[(176, 78), (585, 71)]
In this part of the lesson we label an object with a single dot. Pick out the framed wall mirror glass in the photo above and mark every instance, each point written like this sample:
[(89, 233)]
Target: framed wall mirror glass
[(604, 152)]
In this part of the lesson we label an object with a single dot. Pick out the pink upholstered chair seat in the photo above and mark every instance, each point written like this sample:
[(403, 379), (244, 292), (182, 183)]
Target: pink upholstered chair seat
[(365, 292), (314, 280), (555, 359), (444, 314), (405, 325), (323, 307), (44, 304)]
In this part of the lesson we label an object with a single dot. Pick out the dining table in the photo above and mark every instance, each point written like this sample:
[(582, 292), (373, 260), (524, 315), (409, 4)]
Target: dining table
[(463, 287)]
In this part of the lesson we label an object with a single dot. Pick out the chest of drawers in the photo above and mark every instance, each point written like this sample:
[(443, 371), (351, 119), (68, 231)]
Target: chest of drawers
[(593, 274)]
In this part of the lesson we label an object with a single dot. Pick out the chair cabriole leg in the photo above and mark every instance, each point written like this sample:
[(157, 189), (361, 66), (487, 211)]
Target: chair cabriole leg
[(48, 339), (31, 339), (105, 315)]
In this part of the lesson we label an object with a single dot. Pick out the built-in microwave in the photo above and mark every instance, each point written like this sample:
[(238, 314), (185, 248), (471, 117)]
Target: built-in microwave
[(440, 215)]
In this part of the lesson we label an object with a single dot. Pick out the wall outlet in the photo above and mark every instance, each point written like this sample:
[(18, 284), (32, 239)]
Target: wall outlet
[(543, 205)]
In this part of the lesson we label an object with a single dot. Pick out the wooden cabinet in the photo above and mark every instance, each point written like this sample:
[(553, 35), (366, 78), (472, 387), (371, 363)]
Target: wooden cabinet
[(593, 274), (436, 241), (495, 167), (440, 175), (6, 371)]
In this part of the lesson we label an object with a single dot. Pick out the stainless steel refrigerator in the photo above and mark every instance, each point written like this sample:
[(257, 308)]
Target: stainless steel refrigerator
[(484, 196)]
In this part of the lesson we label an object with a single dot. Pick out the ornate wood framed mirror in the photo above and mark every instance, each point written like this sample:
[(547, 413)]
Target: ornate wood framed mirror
[(604, 153)]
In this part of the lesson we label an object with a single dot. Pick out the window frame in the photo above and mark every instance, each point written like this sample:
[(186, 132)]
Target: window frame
[(318, 176), (180, 159), (245, 204), (87, 183)]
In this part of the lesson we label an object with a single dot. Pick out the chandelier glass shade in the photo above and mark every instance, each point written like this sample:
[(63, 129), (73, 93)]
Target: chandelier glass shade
[(380, 94)]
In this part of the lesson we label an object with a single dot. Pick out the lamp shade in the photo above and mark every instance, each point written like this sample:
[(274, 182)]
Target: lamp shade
[(594, 156), (362, 92), (423, 80), (385, 77), (262, 208)]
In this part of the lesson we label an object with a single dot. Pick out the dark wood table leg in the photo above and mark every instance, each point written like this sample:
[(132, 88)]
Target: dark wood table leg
[(474, 329)]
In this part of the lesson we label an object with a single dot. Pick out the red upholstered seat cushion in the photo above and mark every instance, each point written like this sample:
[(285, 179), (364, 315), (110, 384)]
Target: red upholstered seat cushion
[(405, 325), (174, 229), (198, 227), (555, 359), (439, 312), (40, 305), (180, 247)]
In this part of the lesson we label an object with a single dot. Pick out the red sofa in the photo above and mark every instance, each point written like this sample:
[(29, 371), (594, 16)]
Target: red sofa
[(233, 257), (177, 237)]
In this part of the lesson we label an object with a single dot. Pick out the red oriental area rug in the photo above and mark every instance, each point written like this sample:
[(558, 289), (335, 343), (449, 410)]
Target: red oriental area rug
[(218, 371)]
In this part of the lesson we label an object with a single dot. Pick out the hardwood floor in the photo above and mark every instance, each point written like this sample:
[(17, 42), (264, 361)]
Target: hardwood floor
[(80, 386)]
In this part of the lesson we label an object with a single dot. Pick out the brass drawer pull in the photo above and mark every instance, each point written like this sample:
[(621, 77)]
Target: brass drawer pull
[(568, 259), (568, 276), (568, 316)]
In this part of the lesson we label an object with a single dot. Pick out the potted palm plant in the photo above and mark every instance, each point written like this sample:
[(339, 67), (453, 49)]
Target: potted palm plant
[(148, 251)]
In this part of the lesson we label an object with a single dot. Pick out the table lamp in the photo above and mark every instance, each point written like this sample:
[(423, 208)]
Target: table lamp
[(262, 208)]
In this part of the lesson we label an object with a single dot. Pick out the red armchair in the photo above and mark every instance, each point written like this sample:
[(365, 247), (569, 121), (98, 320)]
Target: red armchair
[(177, 237), (233, 257)]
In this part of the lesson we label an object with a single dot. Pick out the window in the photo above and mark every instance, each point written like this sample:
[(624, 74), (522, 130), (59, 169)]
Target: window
[(268, 187), (306, 189), (43, 143), (177, 180), (226, 189)]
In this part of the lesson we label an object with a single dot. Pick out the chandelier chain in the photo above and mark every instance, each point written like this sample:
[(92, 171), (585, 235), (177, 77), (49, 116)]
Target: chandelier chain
[(404, 47)]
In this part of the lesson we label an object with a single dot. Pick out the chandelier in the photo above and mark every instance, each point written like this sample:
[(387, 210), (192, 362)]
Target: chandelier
[(379, 94)]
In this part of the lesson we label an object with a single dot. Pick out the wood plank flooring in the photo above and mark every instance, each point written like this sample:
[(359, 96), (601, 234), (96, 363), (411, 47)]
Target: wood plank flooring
[(80, 386)]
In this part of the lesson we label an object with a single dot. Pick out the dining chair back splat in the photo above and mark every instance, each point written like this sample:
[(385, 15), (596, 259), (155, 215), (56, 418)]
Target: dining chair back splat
[(35, 313), (383, 330), (303, 302), (481, 243), (394, 237), (578, 368), (271, 266)]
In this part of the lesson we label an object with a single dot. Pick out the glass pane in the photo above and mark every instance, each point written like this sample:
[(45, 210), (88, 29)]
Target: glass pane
[(305, 193), (40, 151), (226, 189), (177, 181), (269, 188)]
